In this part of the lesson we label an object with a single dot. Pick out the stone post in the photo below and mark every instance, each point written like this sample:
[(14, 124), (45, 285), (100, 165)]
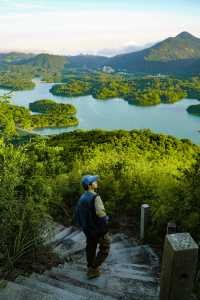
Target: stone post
[(144, 220), (171, 228), (178, 267)]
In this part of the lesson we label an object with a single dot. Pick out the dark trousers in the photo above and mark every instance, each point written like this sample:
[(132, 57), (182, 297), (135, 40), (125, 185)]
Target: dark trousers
[(92, 240)]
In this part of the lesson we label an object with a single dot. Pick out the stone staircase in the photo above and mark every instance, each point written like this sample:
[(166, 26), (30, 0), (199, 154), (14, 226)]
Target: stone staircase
[(129, 272)]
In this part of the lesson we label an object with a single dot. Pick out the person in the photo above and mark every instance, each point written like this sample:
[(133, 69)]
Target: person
[(91, 217)]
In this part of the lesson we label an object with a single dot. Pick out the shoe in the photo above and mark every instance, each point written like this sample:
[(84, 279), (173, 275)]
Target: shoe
[(93, 272)]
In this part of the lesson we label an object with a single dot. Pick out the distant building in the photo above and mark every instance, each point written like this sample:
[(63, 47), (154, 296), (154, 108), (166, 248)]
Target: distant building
[(156, 76), (108, 69)]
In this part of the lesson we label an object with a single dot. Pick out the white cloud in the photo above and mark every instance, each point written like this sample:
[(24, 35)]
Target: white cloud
[(84, 31)]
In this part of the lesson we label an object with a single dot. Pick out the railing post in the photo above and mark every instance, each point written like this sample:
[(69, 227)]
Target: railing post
[(144, 220), (178, 267)]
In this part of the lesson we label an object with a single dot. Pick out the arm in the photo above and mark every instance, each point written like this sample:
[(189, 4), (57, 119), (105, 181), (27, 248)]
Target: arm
[(100, 209)]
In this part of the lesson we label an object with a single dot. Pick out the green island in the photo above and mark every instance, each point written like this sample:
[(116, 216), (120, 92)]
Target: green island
[(194, 109), (53, 115), (144, 91), (50, 106)]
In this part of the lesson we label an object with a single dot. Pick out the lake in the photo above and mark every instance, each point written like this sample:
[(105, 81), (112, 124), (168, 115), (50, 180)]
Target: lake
[(117, 113)]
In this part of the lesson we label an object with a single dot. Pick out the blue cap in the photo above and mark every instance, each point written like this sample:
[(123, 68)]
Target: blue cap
[(88, 179)]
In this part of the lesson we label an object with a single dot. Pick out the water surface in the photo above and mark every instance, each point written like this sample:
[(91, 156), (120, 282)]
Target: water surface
[(119, 114)]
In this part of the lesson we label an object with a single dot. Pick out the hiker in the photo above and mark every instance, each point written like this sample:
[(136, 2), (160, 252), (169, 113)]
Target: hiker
[(91, 217)]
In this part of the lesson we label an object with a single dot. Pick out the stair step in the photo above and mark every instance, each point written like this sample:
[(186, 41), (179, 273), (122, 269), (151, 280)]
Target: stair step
[(63, 251), (113, 284), (56, 292), (85, 292), (58, 237), (139, 267), (117, 271), (14, 291), (77, 236), (126, 255)]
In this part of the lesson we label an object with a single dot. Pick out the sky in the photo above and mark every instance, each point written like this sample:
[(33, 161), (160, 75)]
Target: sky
[(88, 26)]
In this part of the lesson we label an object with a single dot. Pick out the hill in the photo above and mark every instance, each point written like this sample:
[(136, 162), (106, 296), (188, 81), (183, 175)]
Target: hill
[(46, 61), (58, 62), (14, 57)]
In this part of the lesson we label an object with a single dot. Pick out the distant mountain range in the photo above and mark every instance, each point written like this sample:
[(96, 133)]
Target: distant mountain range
[(175, 55), (109, 52)]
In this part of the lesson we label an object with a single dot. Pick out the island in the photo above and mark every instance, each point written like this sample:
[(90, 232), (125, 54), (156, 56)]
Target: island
[(194, 110), (143, 91), (52, 115)]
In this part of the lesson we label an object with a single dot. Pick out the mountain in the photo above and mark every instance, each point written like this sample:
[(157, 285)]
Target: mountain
[(174, 55), (183, 46), (169, 56)]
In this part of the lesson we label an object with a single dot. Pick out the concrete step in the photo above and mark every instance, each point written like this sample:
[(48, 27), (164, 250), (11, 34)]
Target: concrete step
[(72, 287), (14, 291), (56, 292), (64, 251), (115, 285), (126, 255), (59, 236), (115, 270)]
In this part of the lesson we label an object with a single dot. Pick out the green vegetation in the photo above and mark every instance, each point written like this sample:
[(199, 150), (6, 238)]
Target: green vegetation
[(42, 179), (137, 90), (194, 109), (15, 81), (53, 120)]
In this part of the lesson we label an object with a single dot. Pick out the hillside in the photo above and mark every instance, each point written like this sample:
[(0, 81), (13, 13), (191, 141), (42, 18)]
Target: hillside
[(87, 61), (173, 55), (42, 179)]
